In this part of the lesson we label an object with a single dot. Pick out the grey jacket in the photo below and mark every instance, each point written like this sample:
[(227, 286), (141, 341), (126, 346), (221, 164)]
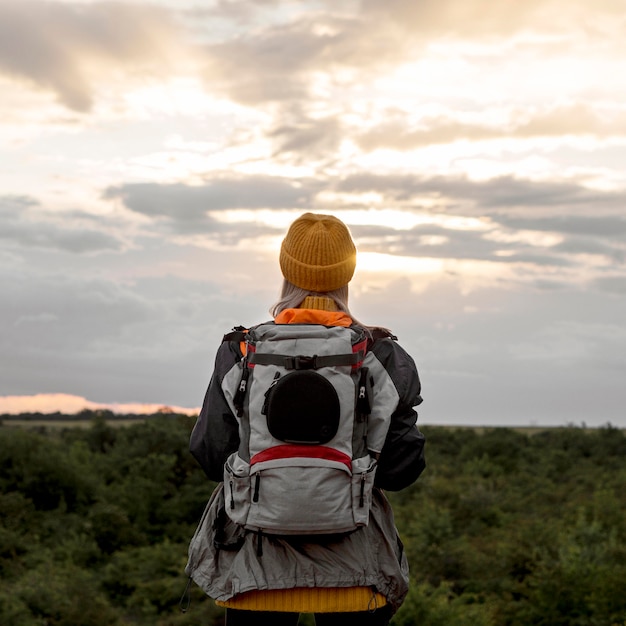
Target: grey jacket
[(225, 560)]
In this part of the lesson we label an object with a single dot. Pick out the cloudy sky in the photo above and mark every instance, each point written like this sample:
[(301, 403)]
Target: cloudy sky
[(153, 153)]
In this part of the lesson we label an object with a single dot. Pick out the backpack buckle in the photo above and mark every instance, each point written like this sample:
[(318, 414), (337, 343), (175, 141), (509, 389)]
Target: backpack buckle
[(301, 362)]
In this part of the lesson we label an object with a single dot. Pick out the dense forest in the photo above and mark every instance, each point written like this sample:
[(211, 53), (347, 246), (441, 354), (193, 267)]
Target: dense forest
[(505, 527)]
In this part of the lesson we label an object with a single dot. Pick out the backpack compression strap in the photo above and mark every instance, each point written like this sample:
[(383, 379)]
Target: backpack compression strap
[(305, 362)]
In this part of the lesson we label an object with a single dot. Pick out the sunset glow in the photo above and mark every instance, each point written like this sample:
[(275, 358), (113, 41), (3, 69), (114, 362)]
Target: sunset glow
[(148, 180)]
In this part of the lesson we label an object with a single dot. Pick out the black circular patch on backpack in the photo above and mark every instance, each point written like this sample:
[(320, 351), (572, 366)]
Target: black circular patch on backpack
[(303, 407)]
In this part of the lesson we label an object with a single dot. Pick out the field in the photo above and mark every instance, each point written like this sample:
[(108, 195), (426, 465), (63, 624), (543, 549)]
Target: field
[(506, 527)]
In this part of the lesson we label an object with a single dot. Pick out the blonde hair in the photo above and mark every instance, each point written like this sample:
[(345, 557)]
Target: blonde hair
[(292, 296)]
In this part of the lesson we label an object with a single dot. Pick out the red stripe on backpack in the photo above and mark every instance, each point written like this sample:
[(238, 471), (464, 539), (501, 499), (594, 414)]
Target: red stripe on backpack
[(290, 451)]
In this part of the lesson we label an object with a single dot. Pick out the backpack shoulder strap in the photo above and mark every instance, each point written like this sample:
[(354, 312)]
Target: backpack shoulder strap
[(238, 333), (378, 332)]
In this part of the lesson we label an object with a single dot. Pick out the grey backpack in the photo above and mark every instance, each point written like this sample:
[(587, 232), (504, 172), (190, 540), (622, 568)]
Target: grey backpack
[(302, 395)]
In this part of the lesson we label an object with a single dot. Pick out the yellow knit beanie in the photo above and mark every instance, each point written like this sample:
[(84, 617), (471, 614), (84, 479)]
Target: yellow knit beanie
[(318, 253)]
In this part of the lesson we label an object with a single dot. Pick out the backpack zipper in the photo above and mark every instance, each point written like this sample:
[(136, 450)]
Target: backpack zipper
[(362, 495), (257, 482)]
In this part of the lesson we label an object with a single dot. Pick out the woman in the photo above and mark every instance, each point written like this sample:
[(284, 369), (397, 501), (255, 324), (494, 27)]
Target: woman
[(359, 577)]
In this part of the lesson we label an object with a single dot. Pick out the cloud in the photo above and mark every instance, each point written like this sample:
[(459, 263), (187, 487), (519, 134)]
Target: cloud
[(613, 284), (142, 330), (185, 208), (70, 48), (477, 19), (293, 60), (496, 196), (557, 121), (505, 354), (70, 404), (308, 138), (506, 199), (24, 225), (432, 241), (609, 226), (399, 117), (582, 234), (522, 221)]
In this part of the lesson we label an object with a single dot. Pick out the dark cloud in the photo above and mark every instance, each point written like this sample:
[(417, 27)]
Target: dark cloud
[(582, 234), (184, 209), (602, 225), (435, 241), (418, 242), (186, 206), (553, 204), (495, 197), (24, 224), (592, 246), (65, 47)]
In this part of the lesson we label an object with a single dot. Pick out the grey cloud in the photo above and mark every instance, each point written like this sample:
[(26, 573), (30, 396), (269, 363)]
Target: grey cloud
[(611, 284), (278, 63), (483, 18), (48, 43), (507, 191), (244, 12), (449, 17), (456, 244), (184, 209), (307, 137), (493, 196), (593, 246), (555, 122), (513, 359), (265, 67), (416, 242), (600, 225), (64, 333), (583, 234), (152, 340), (188, 205), (22, 224), (64, 47)]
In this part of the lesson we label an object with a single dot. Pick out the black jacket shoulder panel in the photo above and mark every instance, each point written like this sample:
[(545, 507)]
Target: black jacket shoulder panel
[(216, 432), (400, 367), (402, 458)]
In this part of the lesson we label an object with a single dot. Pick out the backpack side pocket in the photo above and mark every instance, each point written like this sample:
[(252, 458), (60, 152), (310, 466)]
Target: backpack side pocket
[(237, 489), (363, 473)]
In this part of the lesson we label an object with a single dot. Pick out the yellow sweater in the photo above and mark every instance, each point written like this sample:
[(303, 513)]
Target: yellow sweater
[(308, 600)]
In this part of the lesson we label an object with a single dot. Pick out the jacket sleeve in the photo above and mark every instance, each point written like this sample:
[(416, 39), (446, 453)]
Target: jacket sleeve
[(216, 434), (402, 458)]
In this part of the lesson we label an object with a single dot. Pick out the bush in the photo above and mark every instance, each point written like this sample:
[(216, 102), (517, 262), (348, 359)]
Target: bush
[(503, 528)]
